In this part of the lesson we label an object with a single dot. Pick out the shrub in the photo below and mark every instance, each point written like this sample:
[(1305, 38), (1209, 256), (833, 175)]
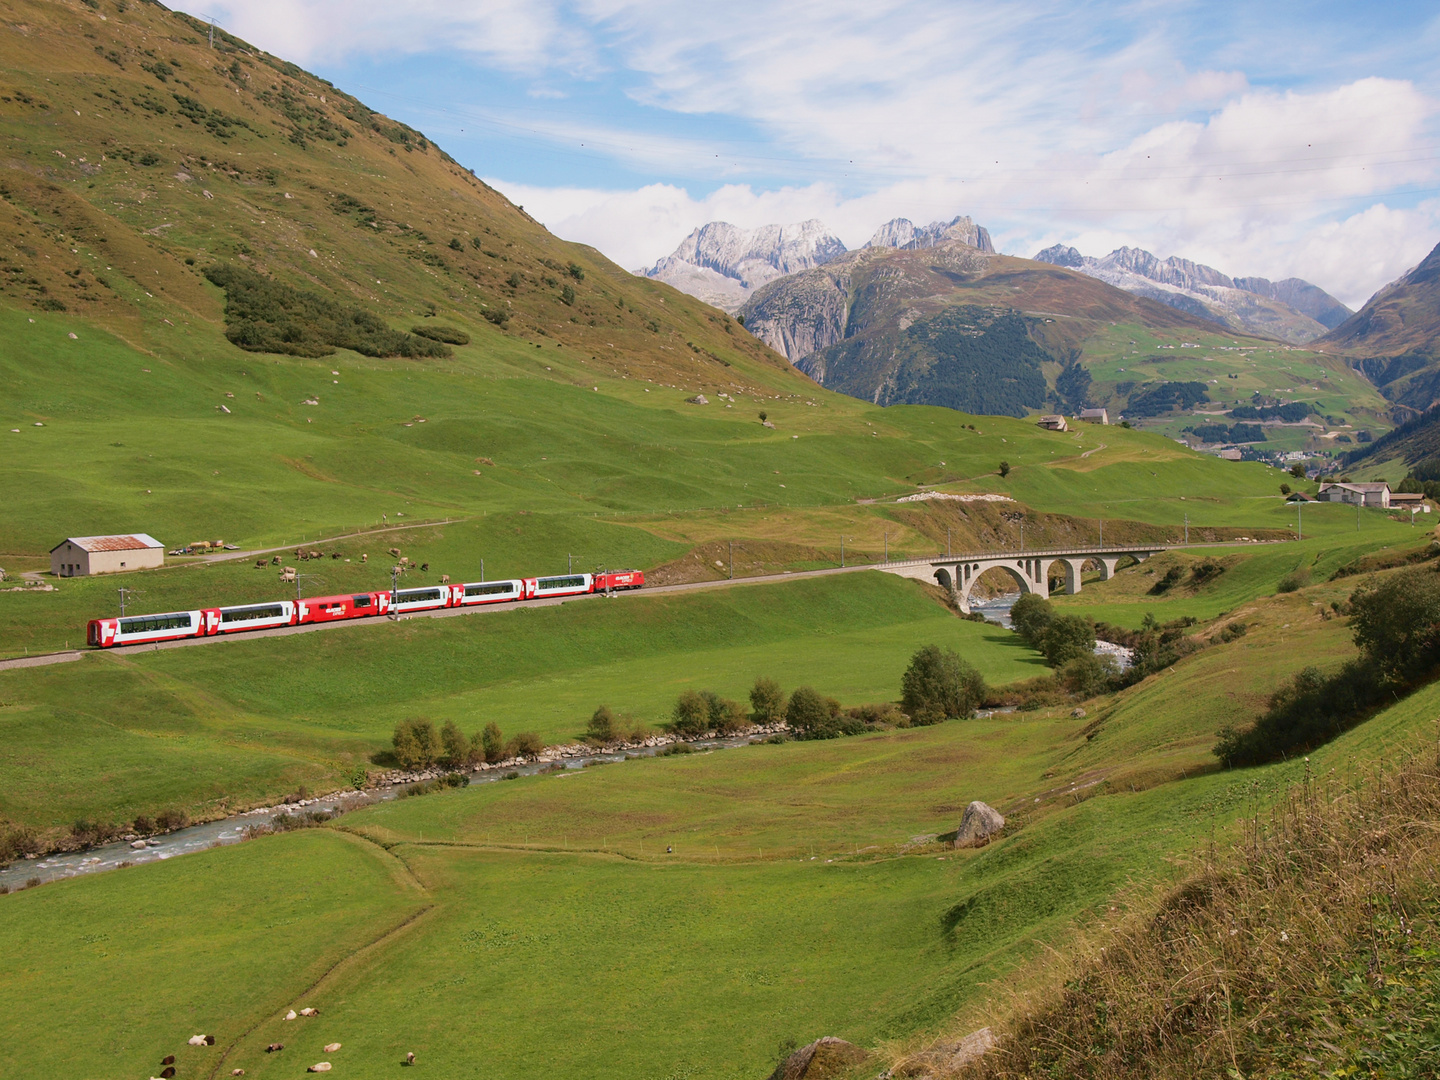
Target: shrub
[(1397, 623), (809, 715), (18, 842), (1088, 675), (691, 715), (602, 727), (1166, 580), (1205, 570), (1232, 631), (448, 334), (513, 280), (455, 244), (263, 315), (416, 743), (576, 271), (1303, 713), (525, 744), (1284, 489), (1296, 579), (144, 824), (1030, 615), (567, 295), (172, 819), (938, 685), (1066, 638), (498, 316), (1004, 469), (455, 747), (149, 158), (675, 748), (767, 701), (875, 717), (726, 716), (492, 743)]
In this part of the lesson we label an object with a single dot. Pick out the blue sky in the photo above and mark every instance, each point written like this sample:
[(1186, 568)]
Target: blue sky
[(1273, 139)]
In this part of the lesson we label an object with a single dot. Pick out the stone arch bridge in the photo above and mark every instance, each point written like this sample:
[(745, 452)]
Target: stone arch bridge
[(1029, 569)]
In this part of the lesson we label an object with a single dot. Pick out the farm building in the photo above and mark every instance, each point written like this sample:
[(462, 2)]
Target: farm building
[(1369, 494), (1095, 416), (81, 556), (1053, 423)]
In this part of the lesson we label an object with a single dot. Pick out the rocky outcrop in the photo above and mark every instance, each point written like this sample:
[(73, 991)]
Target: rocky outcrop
[(1292, 310), (945, 1058), (803, 314), (823, 1058), (902, 233), (723, 264), (978, 825)]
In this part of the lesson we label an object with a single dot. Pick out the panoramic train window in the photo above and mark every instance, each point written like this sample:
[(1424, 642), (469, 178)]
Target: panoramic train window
[(560, 583), (250, 614), (148, 624), (361, 601), (490, 590)]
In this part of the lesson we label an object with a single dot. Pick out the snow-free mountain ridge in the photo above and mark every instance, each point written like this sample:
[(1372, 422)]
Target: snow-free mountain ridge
[(1293, 310), (723, 264)]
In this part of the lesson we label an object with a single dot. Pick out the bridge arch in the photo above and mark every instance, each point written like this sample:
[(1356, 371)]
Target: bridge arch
[(972, 572)]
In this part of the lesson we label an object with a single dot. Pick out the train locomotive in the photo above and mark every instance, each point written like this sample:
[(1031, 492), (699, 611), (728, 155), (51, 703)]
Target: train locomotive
[(208, 622)]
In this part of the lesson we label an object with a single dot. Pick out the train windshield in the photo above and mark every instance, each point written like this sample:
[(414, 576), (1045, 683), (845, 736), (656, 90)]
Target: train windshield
[(577, 582), (149, 624), (499, 589), (250, 614), (360, 601)]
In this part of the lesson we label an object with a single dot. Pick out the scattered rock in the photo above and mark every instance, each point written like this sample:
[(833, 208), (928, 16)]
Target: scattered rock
[(979, 824), (821, 1059), (768, 423), (698, 399), (1078, 714), (330, 1048)]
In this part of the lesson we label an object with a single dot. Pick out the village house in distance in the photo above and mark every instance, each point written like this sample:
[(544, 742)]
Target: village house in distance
[(81, 556), (1368, 494)]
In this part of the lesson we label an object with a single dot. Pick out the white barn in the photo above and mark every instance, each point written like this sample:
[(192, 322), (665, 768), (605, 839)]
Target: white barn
[(81, 556)]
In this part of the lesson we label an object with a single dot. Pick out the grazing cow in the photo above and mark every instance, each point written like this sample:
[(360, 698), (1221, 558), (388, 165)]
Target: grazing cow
[(309, 1012), (274, 1048), (395, 552), (169, 1060), (197, 1040), (260, 564), (330, 1048), (444, 579), (365, 557), (275, 561), (167, 1072), (323, 1066), (424, 567), (315, 554), (334, 554), (410, 1059)]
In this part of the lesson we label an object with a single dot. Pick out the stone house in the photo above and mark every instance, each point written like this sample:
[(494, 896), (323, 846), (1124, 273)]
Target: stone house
[(81, 556)]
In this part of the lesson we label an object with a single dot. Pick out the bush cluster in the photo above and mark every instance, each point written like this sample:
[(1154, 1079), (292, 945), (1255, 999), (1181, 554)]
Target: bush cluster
[(1061, 638), (938, 685), (263, 315), (697, 712), (448, 334), (417, 745), (606, 728), (1396, 624)]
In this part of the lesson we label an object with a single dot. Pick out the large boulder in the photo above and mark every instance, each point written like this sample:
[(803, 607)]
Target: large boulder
[(979, 824), (823, 1058)]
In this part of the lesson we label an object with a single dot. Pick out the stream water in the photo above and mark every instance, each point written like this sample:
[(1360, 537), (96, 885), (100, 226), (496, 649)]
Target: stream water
[(231, 830)]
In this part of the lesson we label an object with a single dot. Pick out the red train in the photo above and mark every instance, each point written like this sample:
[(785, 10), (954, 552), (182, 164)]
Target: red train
[(140, 629)]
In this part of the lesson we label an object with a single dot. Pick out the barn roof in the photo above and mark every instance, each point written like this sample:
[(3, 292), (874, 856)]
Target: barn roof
[(126, 542)]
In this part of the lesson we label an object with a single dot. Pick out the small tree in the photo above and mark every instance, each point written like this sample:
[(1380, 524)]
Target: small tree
[(567, 295), (455, 244), (1284, 489), (1030, 615), (1298, 471), (416, 743), (938, 685), (767, 701), (1066, 638), (492, 743), (1004, 469), (1397, 623), (1088, 675), (602, 727), (763, 415), (455, 748), (691, 716), (809, 715), (726, 716)]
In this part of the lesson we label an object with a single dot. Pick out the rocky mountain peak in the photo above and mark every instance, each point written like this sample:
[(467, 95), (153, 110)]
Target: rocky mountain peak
[(902, 233)]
